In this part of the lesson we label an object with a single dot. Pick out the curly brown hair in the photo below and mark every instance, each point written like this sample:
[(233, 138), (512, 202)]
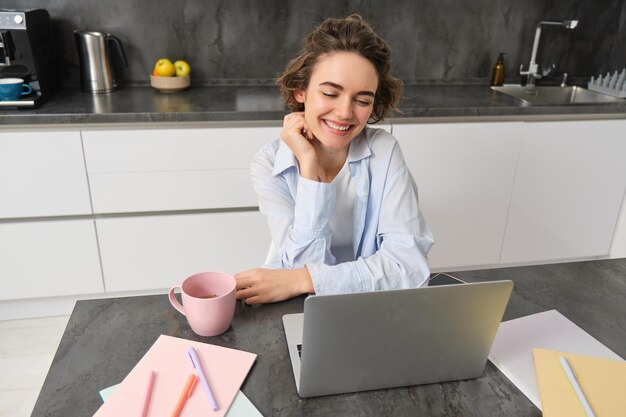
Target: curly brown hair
[(350, 34)]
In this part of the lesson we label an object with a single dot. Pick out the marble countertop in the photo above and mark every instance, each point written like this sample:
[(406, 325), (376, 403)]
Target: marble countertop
[(244, 103), (105, 338)]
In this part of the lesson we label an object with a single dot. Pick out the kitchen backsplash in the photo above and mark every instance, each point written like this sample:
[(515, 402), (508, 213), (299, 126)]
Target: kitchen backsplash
[(432, 41)]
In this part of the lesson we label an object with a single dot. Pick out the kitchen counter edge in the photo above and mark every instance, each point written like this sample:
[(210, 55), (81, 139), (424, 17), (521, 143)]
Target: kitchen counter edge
[(262, 104)]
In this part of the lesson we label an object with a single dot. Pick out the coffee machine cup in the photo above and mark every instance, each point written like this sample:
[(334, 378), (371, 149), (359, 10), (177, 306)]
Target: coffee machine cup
[(94, 52), (28, 52)]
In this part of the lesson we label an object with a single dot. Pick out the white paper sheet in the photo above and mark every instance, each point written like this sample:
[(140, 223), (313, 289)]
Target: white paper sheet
[(512, 351)]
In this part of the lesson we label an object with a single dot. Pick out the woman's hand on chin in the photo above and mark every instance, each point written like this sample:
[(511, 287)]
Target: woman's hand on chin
[(261, 285), (298, 137)]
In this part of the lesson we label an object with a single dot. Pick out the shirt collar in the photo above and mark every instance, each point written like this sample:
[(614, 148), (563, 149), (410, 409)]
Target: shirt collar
[(285, 159)]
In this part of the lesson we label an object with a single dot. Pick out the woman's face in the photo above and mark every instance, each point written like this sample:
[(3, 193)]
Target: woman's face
[(339, 99)]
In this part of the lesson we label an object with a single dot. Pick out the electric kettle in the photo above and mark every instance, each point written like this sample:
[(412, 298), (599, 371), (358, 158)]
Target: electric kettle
[(94, 52)]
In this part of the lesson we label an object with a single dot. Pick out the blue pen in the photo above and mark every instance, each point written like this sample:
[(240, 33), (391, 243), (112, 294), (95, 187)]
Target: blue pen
[(195, 361)]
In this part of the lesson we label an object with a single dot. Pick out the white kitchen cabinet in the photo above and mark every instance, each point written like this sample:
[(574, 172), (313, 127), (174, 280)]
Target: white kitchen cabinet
[(42, 174), (49, 258), (172, 169), (568, 191), (464, 173), (156, 252)]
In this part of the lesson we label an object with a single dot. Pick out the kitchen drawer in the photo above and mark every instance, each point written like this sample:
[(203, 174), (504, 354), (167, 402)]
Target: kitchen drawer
[(172, 169), (48, 259), (156, 252), (42, 174), (568, 191), (464, 174)]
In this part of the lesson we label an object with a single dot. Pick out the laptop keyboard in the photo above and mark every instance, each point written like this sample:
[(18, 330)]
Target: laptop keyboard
[(299, 350)]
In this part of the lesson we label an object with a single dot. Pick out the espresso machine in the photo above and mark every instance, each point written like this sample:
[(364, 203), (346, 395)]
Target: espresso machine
[(28, 51)]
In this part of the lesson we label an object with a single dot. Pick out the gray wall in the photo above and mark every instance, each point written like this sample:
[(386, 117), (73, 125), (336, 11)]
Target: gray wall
[(432, 41)]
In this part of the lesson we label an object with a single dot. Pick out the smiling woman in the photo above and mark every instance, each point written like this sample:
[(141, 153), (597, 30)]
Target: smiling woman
[(341, 204)]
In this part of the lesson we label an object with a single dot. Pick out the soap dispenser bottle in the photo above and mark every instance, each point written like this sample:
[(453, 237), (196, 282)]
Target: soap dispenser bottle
[(497, 74)]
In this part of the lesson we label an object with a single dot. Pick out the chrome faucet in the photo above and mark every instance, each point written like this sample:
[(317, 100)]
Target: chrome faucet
[(533, 68)]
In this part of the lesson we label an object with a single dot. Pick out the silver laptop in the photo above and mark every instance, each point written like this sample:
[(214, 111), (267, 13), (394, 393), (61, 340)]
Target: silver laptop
[(365, 341)]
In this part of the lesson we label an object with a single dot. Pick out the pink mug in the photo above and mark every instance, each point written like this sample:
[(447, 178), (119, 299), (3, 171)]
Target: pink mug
[(208, 302)]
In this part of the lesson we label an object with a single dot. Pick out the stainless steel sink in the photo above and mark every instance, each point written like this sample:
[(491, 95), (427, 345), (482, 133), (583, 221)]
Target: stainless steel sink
[(545, 95)]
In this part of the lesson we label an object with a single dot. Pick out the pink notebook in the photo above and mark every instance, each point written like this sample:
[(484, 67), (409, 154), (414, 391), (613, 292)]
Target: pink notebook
[(225, 368)]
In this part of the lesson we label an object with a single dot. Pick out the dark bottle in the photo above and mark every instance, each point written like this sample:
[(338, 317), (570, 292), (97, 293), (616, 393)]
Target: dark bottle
[(497, 74)]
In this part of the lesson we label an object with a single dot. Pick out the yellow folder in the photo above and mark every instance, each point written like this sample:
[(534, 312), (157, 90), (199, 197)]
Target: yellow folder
[(603, 381)]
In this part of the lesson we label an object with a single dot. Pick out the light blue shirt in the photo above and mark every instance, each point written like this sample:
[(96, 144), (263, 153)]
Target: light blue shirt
[(390, 237)]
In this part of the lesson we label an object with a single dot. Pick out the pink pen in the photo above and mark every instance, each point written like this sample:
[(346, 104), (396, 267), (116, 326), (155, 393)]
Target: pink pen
[(148, 394)]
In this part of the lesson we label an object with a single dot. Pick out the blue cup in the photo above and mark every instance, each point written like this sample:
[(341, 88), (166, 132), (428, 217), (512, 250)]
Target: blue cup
[(12, 89)]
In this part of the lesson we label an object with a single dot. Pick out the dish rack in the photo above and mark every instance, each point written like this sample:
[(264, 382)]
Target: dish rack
[(611, 84)]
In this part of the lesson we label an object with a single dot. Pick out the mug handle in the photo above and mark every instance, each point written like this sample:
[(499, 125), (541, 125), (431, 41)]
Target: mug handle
[(178, 306), (29, 89)]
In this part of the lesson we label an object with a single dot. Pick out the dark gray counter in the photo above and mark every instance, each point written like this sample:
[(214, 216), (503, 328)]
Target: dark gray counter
[(241, 103), (105, 338)]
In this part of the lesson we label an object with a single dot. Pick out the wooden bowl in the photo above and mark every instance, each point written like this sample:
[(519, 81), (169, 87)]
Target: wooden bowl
[(170, 84)]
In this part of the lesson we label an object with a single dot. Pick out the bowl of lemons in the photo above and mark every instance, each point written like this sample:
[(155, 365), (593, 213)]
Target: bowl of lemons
[(170, 77)]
